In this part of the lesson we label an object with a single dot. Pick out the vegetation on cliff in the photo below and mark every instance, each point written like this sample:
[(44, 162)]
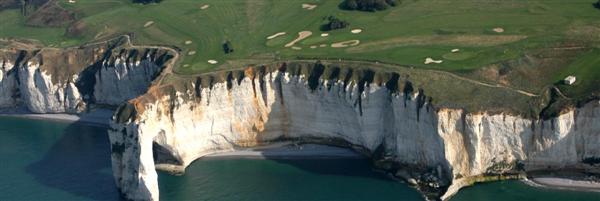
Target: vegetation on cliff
[(526, 46)]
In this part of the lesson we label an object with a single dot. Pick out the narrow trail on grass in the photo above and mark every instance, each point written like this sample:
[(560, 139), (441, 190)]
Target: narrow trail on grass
[(168, 70), (488, 85), (381, 64)]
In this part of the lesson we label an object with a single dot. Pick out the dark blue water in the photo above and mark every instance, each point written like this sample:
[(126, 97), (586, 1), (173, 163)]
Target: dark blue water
[(516, 190), (290, 180), (44, 160)]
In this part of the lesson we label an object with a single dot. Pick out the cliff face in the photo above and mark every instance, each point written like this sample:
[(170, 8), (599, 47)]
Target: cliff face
[(68, 80), (445, 148)]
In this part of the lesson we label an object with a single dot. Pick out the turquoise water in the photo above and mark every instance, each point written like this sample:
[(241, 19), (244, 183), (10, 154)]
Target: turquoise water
[(516, 190), (44, 160), (247, 179)]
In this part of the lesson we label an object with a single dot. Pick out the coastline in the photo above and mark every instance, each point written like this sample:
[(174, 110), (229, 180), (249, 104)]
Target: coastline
[(561, 183), (289, 151), (97, 117)]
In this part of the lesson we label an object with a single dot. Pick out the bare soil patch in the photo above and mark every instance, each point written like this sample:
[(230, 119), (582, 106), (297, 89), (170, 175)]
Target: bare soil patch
[(301, 36), (276, 35), (345, 44), (50, 15), (309, 6), (148, 24), (465, 40), (429, 60)]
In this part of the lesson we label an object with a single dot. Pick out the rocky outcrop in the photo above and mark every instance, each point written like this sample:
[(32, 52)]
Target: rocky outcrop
[(124, 80), (380, 114), (41, 95), (8, 85), (69, 80)]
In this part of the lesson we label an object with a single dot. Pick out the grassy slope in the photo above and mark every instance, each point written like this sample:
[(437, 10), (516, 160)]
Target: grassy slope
[(404, 35)]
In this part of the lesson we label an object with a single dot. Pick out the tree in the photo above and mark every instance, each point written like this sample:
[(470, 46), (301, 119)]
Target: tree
[(380, 5), (367, 5), (146, 1), (350, 4), (227, 48), (391, 2), (334, 23), (597, 4)]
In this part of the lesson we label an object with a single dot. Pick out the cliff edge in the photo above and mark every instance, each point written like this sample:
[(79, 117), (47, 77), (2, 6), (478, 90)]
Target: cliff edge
[(382, 114)]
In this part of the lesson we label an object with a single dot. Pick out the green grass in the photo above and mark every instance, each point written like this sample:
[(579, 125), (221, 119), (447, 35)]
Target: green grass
[(404, 35), (587, 71), (247, 24)]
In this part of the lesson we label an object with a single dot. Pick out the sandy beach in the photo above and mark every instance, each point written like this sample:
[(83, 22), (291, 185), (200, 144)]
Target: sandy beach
[(289, 151), (97, 117), (564, 184)]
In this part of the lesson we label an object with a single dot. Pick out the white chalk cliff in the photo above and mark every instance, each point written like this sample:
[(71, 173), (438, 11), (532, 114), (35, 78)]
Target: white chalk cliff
[(173, 126), (73, 81)]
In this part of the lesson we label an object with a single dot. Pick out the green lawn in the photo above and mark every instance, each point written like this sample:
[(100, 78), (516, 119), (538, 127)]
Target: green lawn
[(587, 71), (404, 35)]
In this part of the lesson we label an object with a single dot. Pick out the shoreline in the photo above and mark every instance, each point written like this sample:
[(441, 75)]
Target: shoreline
[(97, 117), (561, 183), (288, 151)]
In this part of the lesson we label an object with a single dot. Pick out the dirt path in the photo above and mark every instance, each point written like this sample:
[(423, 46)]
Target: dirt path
[(168, 70), (382, 64)]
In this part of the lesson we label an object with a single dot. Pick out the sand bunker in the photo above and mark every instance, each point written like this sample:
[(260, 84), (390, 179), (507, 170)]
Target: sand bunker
[(205, 6), (356, 31), (455, 50), (346, 44), (313, 46), (191, 52), (324, 34), (429, 60), (498, 30), (296, 48), (275, 35), (212, 61), (187, 42), (149, 23), (308, 6), (301, 36), (323, 45)]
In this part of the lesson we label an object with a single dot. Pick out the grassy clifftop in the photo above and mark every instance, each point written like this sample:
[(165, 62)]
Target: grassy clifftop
[(521, 45)]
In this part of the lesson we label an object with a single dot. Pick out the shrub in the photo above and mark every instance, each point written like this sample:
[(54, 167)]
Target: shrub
[(146, 1), (334, 23), (367, 5), (227, 48)]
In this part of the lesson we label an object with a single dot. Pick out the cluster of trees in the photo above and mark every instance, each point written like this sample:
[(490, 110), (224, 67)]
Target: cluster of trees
[(368, 5), (597, 4), (146, 1), (334, 23), (227, 48)]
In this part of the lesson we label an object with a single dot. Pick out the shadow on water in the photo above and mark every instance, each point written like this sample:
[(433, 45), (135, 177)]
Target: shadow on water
[(337, 167), (348, 165), (79, 163)]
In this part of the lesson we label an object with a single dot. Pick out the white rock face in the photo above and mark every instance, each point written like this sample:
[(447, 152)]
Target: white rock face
[(28, 84), (8, 85), (190, 125), (124, 80), (41, 95)]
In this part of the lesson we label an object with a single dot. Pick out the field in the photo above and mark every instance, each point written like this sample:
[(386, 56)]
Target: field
[(489, 34)]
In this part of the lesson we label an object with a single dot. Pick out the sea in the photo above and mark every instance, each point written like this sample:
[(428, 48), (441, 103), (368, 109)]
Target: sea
[(51, 160)]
